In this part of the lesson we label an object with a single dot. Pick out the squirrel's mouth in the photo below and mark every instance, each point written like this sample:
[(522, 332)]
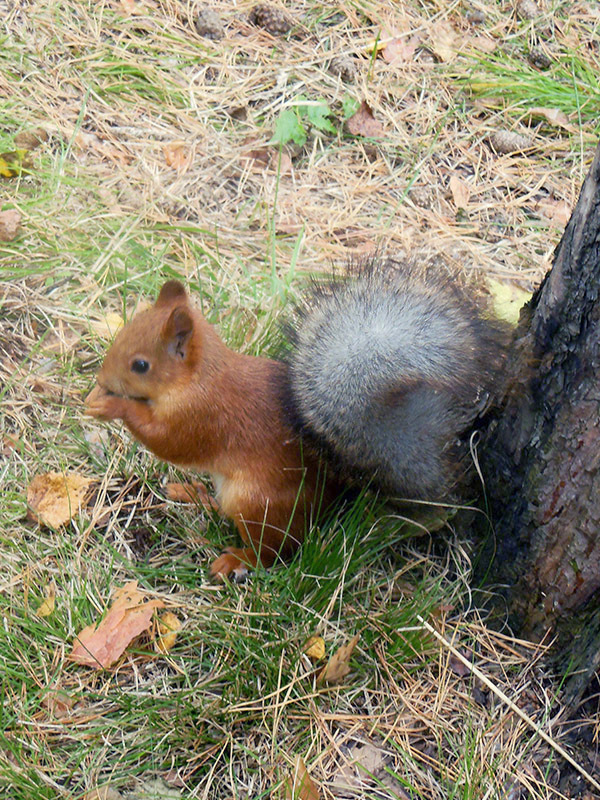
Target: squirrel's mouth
[(124, 394)]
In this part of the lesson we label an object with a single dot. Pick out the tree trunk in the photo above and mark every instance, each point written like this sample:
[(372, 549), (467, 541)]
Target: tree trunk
[(541, 461)]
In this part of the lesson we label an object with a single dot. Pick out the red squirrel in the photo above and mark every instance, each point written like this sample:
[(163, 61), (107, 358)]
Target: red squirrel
[(388, 373), (195, 403)]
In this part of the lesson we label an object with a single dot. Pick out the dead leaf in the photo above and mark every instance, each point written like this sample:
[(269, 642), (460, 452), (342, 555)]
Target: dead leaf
[(507, 299), (314, 648), (485, 44), (103, 793), (46, 607), (557, 211), (461, 192), (9, 443), (363, 123), (552, 115), (458, 668), (129, 615), (300, 786), (443, 41), (400, 49), (338, 665), (55, 497), (108, 325), (364, 760), (168, 625), (178, 156), (15, 163), (57, 702), (29, 140), (10, 222), (128, 6)]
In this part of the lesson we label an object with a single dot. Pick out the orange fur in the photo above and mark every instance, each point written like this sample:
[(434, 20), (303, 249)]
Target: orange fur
[(201, 405)]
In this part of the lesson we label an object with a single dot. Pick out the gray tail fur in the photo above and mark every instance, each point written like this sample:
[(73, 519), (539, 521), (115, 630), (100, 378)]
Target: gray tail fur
[(389, 368)]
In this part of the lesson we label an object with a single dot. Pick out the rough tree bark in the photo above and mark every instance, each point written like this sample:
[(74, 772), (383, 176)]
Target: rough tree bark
[(542, 460)]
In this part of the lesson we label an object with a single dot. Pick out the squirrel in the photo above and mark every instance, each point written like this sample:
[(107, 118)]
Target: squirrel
[(387, 373)]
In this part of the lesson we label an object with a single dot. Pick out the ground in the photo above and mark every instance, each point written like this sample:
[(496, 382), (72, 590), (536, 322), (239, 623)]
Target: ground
[(242, 149)]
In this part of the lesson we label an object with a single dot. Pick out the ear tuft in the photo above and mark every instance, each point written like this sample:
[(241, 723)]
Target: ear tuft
[(170, 292)]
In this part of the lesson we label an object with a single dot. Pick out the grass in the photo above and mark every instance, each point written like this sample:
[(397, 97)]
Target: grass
[(105, 220)]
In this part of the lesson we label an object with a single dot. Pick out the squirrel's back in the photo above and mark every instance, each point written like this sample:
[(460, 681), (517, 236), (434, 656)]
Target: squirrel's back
[(389, 368)]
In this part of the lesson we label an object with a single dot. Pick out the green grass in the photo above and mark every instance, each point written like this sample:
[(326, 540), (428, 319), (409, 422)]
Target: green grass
[(105, 222)]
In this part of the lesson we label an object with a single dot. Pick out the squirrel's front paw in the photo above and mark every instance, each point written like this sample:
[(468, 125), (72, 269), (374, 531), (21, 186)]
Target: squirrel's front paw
[(233, 563), (102, 405)]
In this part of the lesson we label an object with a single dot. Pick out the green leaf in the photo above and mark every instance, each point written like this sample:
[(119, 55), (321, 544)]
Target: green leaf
[(318, 115), (288, 129), (349, 106)]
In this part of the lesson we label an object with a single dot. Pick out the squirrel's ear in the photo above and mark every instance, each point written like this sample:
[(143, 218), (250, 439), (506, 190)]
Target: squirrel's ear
[(171, 291), (177, 331)]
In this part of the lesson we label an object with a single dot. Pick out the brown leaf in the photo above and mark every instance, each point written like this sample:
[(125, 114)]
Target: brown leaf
[(168, 625), (103, 793), (443, 41), (363, 123), (400, 49), (57, 702), (10, 222), (484, 44), (9, 443), (458, 668), (557, 211), (338, 665), (461, 192), (300, 786), (552, 115), (178, 156), (129, 615), (29, 140), (54, 497)]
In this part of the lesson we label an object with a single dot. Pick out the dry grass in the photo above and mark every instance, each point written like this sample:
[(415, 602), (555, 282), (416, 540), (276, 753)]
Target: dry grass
[(158, 163)]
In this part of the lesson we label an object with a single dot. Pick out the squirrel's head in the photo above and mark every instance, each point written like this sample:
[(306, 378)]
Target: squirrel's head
[(158, 349)]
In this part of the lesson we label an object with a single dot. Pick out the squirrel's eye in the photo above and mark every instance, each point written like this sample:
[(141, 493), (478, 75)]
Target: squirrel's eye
[(140, 365)]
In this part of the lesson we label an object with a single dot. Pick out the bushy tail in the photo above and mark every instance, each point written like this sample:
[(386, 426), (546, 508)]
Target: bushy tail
[(388, 368)]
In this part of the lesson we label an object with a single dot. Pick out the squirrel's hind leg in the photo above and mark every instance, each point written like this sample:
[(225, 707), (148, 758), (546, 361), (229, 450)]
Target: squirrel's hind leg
[(234, 562)]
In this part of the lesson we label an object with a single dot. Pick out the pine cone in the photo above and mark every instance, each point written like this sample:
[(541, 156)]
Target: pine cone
[(344, 66), (209, 24), (504, 142), (273, 19)]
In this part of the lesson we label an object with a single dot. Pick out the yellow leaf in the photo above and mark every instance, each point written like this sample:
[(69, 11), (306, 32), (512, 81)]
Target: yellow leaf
[(14, 163), (508, 300), (47, 606), (314, 648), (54, 497), (107, 326), (168, 625), (300, 786), (338, 665)]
